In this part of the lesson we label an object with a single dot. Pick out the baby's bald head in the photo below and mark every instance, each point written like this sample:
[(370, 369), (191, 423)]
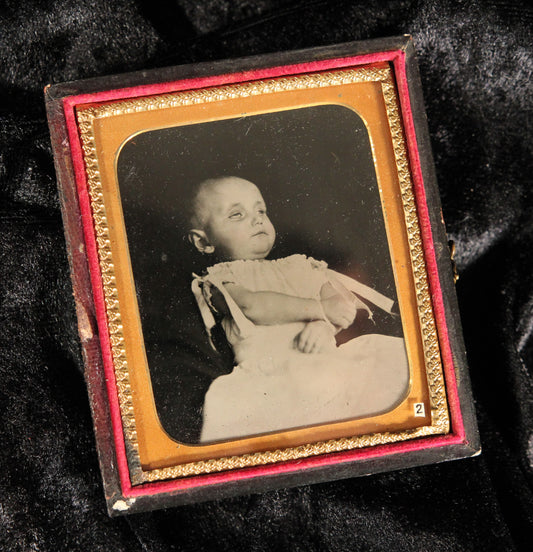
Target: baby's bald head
[(205, 195), (229, 216)]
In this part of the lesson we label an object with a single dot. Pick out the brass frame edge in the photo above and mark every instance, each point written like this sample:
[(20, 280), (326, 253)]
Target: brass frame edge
[(439, 412), (439, 409)]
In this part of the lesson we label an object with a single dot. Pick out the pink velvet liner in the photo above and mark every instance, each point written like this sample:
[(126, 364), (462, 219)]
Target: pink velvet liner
[(97, 289), (220, 80), (70, 104)]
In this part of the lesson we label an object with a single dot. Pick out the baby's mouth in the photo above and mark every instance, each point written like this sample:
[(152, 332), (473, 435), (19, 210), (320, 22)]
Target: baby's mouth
[(261, 232)]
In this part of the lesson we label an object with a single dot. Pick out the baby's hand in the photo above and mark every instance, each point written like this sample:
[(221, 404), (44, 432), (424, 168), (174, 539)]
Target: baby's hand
[(316, 337), (339, 311)]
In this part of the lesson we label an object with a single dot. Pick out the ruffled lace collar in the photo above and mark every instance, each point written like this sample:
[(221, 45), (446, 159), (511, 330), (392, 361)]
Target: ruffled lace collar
[(247, 262)]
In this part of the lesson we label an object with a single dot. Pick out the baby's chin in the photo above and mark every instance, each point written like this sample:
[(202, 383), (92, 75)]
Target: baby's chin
[(254, 255)]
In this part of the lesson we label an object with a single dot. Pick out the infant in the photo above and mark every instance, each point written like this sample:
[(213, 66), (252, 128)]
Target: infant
[(280, 318)]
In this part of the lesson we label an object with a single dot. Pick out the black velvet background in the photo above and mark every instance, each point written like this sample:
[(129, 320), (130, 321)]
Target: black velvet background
[(476, 66)]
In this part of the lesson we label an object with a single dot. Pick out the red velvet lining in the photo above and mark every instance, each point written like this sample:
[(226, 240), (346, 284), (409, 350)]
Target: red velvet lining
[(428, 246), (292, 465), (221, 80), (398, 59), (97, 289)]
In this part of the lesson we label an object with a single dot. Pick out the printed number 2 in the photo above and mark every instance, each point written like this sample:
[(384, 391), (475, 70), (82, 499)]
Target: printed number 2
[(420, 410)]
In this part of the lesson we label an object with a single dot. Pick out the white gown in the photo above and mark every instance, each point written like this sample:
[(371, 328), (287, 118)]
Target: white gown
[(276, 387)]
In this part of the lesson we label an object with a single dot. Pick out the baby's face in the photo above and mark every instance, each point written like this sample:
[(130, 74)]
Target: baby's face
[(235, 220)]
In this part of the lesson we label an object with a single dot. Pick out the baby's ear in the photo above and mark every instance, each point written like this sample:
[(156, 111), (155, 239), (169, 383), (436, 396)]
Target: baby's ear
[(200, 240)]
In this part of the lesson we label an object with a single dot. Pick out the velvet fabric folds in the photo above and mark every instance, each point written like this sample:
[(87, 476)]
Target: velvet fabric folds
[(476, 67)]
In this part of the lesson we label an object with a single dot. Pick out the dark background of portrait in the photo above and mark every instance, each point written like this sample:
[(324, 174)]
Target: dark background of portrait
[(315, 170), (476, 64)]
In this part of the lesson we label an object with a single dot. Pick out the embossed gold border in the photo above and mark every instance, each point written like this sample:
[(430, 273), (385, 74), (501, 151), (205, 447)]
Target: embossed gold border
[(87, 117)]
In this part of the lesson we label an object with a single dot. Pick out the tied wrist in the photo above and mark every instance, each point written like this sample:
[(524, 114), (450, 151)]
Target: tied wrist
[(323, 316)]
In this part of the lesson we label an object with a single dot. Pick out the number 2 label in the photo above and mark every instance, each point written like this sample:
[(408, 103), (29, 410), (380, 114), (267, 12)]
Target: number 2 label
[(420, 410)]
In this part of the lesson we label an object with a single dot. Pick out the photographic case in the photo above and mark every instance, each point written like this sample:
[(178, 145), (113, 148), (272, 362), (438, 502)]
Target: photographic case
[(192, 402)]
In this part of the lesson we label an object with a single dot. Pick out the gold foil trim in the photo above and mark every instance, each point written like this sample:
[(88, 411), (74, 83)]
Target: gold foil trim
[(439, 411), (437, 395), (116, 338), (235, 91)]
